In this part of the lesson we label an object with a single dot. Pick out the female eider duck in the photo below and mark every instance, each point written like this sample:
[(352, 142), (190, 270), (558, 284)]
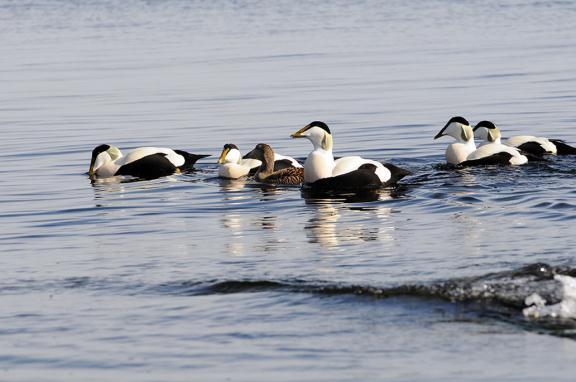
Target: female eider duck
[(143, 162), (322, 172), (266, 172), (536, 146), (231, 164)]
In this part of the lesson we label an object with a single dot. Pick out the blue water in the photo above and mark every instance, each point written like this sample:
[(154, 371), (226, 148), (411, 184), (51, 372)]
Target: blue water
[(190, 277)]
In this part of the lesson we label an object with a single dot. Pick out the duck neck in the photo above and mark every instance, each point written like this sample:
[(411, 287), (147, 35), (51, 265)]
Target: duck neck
[(267, 166)]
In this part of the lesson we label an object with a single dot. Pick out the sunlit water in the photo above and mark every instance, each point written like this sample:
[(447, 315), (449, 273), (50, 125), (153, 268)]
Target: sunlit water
[(193, 278)]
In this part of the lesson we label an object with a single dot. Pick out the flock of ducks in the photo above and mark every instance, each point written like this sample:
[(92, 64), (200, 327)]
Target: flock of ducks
[(320, 170)]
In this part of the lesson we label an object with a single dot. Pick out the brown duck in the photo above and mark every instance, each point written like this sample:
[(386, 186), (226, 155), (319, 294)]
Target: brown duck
[(266, 173)]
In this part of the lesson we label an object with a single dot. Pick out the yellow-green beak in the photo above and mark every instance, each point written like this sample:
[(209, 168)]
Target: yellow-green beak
[(91, 170), (222, 158), (300, 133)]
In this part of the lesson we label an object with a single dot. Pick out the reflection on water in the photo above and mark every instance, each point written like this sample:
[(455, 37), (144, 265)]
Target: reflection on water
[(362, 224)]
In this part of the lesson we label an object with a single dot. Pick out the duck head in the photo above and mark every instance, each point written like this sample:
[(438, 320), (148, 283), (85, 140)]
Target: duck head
[(230, 154), (318, 133), (458, 128), (261, 152), (102, 155), (487, 131)]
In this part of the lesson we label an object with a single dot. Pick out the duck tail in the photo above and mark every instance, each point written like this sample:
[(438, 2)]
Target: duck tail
[(563, 148), (396, 172), (189, 159)]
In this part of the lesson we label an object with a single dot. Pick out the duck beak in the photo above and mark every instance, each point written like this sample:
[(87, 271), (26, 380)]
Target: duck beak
[(250, 155), (91, 170), (300, 133), (440, 134), (223, 155)]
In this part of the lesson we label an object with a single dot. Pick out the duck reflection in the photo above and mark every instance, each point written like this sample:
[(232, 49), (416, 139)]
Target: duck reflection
[(338, 222), (108, 191), (254, 231)]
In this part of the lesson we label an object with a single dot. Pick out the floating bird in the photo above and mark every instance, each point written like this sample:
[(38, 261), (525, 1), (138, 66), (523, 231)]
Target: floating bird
[(143, 162), (459, 129), (465, 153), (266, 172), (489, 133), (529, 144), (321, 171), (531, 149), (233, 166)]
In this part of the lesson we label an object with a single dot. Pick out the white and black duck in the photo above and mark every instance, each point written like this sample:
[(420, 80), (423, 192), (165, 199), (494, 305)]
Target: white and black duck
[(143, 162), (322, 172), (459, 129), (528, 144), (464, 152)]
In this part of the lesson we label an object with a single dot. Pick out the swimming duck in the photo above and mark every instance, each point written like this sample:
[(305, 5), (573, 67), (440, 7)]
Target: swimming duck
[(465, 153), (529, 144), (233, 166), (492, 151), (321, 171), (489, 133), (266, 172), (143, 162), (459, 129)]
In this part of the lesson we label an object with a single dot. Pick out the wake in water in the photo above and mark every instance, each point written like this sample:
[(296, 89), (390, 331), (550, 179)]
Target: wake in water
[(537, 297), (502, 295), (566, 308)]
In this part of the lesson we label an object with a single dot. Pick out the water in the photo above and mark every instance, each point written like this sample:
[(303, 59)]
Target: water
[(193, 278)]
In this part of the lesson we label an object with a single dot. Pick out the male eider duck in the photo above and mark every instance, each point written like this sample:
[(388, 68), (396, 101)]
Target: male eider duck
[(143, 162), (465, 153), (492, 151), (322, 172), (489, 133), (231, 164), (459, 129), (529, 144), (266, 172)]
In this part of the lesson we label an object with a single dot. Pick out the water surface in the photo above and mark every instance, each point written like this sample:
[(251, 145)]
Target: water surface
[(190, 277)]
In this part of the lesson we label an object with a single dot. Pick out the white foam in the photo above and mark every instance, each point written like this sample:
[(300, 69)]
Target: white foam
[(564, 309)]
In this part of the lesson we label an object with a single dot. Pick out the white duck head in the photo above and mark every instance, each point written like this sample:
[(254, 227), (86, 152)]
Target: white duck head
[(487, 131), (101, 155), (230, 154), (458, 128), (318, 133)]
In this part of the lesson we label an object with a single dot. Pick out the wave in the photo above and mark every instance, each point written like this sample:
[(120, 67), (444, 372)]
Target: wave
[(537, 296), (509, 288)]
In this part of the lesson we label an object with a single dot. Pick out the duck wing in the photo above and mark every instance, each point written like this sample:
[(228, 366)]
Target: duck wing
[(148, 167), (291, 175), (501, 158)]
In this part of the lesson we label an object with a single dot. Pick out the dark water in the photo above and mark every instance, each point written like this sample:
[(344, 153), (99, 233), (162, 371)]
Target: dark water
[(193, 278)]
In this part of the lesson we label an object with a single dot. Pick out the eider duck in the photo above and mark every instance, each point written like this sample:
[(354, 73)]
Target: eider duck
[(487, 131), (231, 164), (465, 153), (459, 129), (529, 144), (266, 172), (322, 172), (143, 162)]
